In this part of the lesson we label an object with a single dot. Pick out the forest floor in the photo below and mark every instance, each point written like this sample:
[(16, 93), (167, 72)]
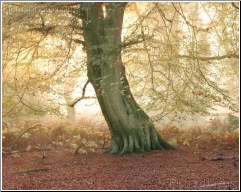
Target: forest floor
[(183, 168)]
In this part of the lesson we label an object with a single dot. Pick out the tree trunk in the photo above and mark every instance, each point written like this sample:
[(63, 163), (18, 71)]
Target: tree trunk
[(70, 116), (130, 127), (68, 90)]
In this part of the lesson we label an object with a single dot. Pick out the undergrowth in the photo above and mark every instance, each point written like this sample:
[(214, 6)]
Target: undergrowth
[(54, 136), (81, 138), (218, 134)]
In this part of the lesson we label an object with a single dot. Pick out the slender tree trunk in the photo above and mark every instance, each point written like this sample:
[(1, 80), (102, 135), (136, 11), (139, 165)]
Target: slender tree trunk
[(70, 117), (68, 88), (130, 127)]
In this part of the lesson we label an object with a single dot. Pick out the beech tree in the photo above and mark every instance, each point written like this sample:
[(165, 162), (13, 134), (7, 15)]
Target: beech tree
[(131, 128)]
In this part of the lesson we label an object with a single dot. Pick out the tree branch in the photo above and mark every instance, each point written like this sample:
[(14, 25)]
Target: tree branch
[(235, 6), (78, 41), (82, 97), (134, 42), (22, 133), (229, 56), (162, 13)]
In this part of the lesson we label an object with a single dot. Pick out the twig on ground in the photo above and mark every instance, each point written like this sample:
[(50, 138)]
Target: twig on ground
[(32, 170), (220, 158)]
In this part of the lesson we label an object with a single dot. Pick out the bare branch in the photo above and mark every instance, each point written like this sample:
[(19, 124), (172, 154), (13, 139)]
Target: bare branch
[(83, 95), (229, 56), (182, 15), (78, 41), (162, 13), (44, 29), (134, 42), (22, 133), (130, 43), (235, 6)]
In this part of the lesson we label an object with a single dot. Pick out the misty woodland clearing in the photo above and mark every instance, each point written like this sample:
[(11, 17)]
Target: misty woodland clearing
[(124, 95)]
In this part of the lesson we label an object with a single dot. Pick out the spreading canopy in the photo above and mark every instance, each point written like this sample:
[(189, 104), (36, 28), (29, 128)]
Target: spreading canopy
[(178, 56)]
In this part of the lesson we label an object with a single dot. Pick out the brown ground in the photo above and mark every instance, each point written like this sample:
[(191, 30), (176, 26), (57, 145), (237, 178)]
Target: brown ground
[(178, 169)]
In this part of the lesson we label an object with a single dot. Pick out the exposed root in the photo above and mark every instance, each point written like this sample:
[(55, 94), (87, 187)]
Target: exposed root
[(138, 142)]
